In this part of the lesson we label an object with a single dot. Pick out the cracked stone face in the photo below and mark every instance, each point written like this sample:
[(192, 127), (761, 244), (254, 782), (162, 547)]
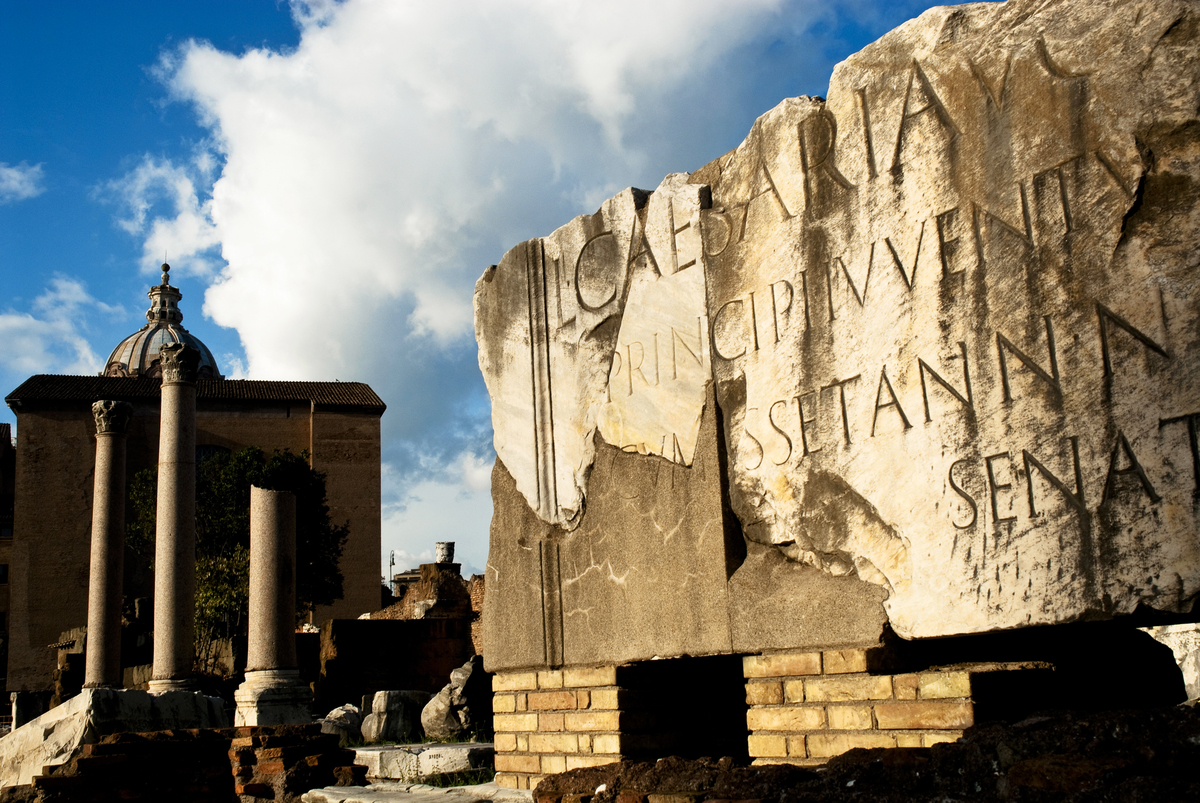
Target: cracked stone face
[(949, 321)]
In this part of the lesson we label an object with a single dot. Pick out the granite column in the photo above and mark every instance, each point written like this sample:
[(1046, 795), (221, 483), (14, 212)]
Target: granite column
[(175, 530), (272, 693), (103, 663)]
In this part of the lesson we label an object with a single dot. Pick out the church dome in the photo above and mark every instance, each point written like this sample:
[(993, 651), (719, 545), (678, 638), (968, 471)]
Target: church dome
[(137, 355)]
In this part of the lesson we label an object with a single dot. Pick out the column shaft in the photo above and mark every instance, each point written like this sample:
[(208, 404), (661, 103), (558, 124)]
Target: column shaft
[(103, 664), (272, 638)]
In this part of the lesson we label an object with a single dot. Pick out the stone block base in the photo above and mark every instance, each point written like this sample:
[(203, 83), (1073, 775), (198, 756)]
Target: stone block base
[(554, 720), (415, 762), (273, 697), (805, 708)]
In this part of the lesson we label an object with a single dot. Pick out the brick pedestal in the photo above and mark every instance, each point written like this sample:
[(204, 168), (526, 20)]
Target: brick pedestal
[(806, 707), (554, 720)]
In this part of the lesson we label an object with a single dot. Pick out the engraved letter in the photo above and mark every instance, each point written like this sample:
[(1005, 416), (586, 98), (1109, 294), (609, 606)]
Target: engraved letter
[(932, 103), (1107, 316), (716, 327), (819, 155), (804, 422), (995, 486), (775, 426), (841, 386), (1134, 468), (1192, 420), (1051, 378), (884, 381), (1075, 500), (970, 500), (923, 368), (775, 310), (579, 285)]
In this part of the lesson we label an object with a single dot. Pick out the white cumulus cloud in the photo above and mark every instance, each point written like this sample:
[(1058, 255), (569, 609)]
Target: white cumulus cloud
[(52, 338), (18, 182)]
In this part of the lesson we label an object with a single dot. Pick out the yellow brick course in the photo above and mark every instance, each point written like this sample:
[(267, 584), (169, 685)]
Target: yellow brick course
[(841, 662), (908, 740), (785, 719), (931, 739), (509, 762), (575, 762), (554, 764), (934, 715), (824, 745), (769, 693), (577, 677), (553, 743), (846, 688), (513, 681), (849, 717), (552, 701), (550, 679), (606, 743), (506, 780), (766, 746), (604, 699), (504, 703), (796, 747), (905, 686), (593, 721), (793, 691), (939, 685), (784, 665), (583, 699), (515, 722), (505, 742), (550, 723)]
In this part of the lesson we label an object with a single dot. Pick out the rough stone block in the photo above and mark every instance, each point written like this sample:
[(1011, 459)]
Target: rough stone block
[(924, 715), (769, 693), (849, 717), (764, 745), (844, 689), (785, 719), (824, 745), (935, 685), (784, 665)]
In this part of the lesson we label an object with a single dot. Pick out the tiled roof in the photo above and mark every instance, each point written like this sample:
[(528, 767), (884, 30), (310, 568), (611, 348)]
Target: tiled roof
[(59, 388)]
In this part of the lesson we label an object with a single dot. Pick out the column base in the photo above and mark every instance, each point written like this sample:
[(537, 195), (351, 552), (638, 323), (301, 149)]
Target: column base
[(162, 686), (272, 697)]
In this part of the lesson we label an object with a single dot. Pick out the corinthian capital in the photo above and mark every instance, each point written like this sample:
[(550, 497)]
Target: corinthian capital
[(112, 417), (180, 363)]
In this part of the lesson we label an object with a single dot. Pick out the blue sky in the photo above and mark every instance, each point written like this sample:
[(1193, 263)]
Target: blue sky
[(328, 180)]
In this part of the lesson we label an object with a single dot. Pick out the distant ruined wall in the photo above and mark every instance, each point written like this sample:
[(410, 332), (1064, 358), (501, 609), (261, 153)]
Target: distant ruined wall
[(922, 353)]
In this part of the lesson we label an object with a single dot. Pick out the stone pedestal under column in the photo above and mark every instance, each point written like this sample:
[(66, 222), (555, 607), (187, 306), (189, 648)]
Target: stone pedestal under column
[(272, 693), (175, 532), (103, 665)]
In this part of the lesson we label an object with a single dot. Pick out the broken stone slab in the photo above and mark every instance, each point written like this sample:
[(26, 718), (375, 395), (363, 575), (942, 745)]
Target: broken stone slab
[(416, 761), (463, 706), (395, 716), (953, 327), (417, 793), (344, 721), (52, 738)]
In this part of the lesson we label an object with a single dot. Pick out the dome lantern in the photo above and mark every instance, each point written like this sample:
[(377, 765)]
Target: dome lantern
[(137, 355)]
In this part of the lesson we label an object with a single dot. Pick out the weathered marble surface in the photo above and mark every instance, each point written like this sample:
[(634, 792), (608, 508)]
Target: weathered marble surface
[(950, 317)]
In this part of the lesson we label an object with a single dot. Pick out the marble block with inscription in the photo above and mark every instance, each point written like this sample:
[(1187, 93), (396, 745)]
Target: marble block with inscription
[(949, 321)]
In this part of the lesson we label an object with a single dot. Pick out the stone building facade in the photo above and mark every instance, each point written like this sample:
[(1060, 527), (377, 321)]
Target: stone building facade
[(336, 422)]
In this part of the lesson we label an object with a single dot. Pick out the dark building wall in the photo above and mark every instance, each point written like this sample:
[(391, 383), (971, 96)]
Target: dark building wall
[(55, 458)]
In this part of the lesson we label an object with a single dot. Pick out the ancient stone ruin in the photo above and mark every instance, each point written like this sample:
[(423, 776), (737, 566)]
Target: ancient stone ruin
[(918, 359)]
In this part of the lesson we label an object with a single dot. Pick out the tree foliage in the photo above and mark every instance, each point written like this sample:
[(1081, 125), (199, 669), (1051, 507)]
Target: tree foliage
[(223, 483)]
